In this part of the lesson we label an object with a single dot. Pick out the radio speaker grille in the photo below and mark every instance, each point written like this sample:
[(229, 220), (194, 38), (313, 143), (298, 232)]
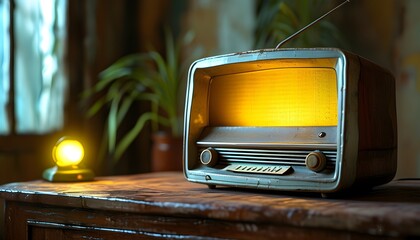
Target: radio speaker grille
[(271, 156)]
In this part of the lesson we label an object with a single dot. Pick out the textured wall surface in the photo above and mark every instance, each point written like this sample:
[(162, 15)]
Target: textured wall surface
[(408, 91), (221, 26)]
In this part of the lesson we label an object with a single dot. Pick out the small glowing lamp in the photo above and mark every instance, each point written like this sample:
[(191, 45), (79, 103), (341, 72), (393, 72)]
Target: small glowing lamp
[(68, 154)]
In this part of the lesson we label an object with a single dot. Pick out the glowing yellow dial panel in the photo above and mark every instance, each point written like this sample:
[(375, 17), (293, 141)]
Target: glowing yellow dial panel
[(275, 97)]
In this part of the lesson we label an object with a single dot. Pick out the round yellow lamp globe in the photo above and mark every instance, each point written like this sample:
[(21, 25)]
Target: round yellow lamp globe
[(68, 152)]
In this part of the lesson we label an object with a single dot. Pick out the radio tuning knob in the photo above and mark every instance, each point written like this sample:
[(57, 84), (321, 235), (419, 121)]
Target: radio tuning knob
[(208, 157), (316, 161)]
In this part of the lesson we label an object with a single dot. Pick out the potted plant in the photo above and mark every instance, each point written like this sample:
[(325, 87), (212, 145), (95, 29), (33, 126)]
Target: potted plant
[(144, 77)]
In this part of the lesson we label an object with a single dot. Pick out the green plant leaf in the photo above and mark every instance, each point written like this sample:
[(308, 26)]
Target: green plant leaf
[(127, 101), (110, 75), (116, 92), (289, 14), (112, 123), (171, 55), (97, 106), (133, 133)]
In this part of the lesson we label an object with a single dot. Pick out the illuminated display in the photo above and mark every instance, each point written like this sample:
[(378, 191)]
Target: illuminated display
[(275, 97)]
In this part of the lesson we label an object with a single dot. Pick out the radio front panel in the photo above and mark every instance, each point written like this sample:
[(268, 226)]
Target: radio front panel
[(266, 150)]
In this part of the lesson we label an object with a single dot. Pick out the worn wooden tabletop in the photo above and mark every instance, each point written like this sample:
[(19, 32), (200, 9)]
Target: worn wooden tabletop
[(391, 209)]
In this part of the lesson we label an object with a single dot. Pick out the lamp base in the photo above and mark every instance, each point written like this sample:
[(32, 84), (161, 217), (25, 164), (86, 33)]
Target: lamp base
[(70, 174)]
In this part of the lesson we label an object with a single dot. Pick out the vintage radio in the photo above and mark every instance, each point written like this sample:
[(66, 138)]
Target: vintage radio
[(318, 120)]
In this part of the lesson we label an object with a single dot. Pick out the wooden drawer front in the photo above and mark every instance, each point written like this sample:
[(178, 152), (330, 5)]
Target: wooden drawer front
[(34, 221)]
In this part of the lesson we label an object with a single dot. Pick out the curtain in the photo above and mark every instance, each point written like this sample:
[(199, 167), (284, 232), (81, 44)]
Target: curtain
[(4, 64), (39, 82)]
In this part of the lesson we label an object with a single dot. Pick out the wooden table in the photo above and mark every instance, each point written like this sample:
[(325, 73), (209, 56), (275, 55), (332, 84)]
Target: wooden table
[(165, 205)]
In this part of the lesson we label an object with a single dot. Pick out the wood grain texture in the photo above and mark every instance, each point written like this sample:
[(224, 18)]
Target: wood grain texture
[(166, 203), (377, 108), (377, 123)]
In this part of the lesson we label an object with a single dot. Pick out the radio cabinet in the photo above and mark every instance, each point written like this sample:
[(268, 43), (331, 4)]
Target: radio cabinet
[(315, 120)]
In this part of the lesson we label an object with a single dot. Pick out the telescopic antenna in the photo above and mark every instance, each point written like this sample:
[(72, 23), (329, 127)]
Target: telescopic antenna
[(310, 25)]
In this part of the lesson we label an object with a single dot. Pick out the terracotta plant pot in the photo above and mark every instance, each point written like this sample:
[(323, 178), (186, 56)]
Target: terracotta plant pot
[(166, 153)]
